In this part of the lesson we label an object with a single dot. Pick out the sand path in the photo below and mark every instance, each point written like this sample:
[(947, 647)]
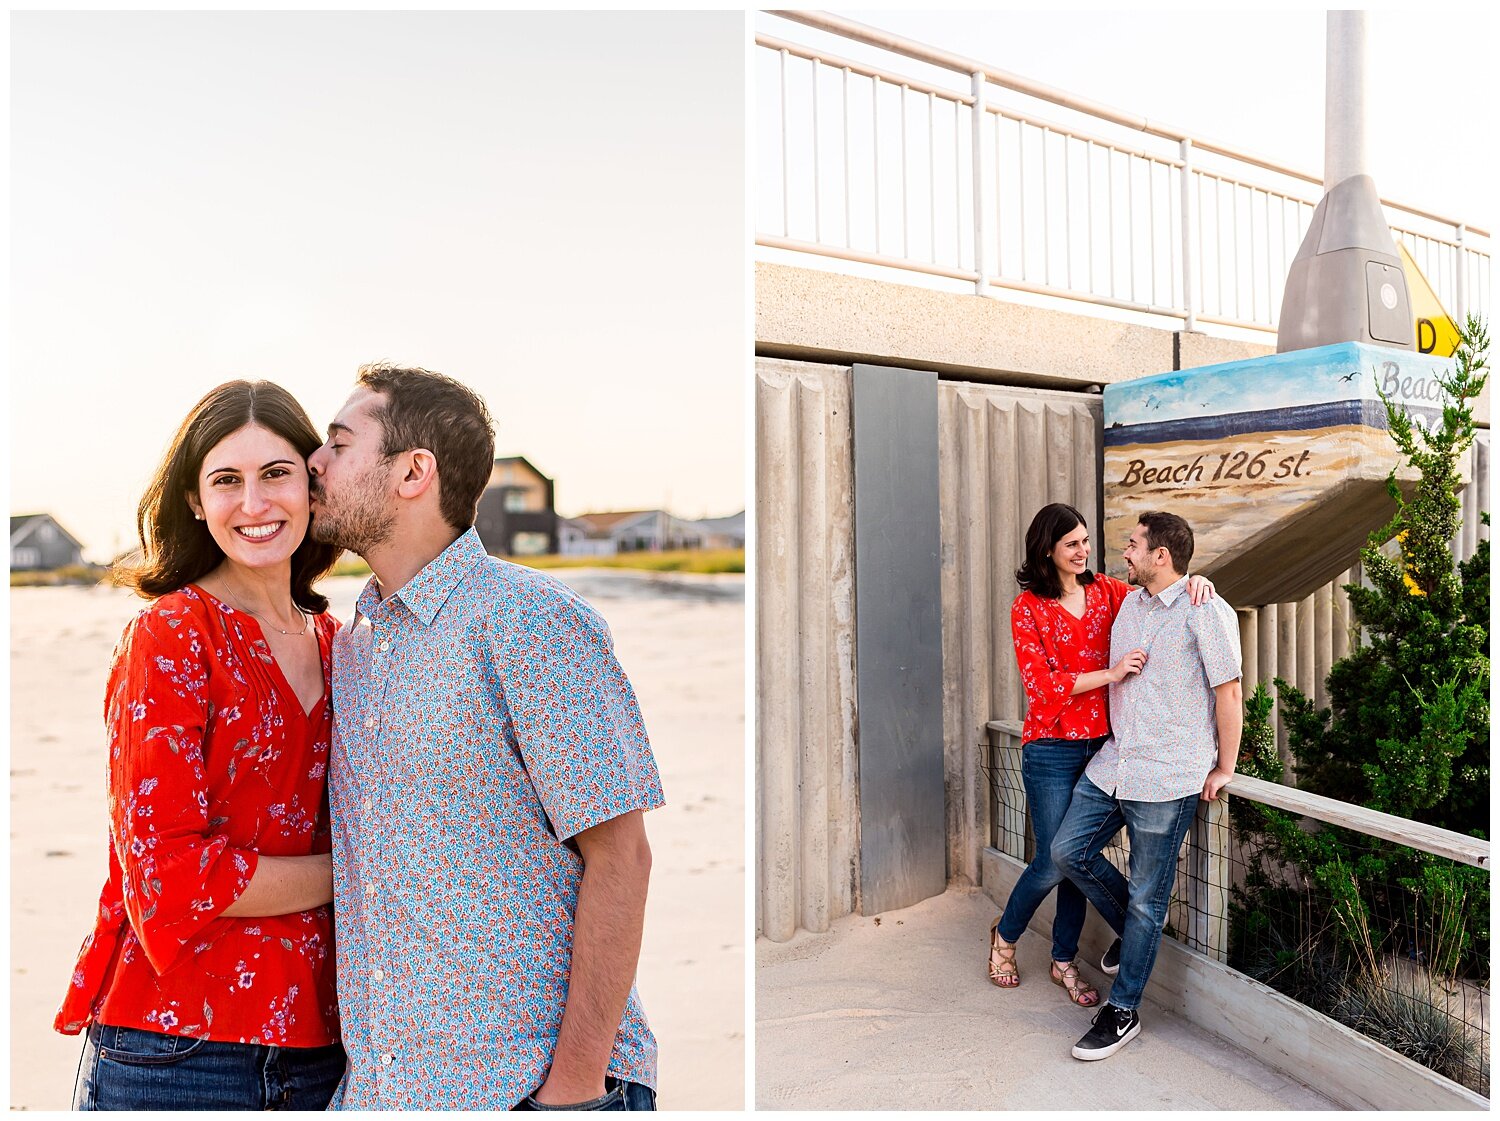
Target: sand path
[(680, 639)]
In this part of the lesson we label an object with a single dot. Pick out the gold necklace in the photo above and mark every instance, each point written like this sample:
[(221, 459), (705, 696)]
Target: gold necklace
[(235, 603)]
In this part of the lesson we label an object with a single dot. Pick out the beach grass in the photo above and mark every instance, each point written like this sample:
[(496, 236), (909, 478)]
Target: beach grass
[(72, 574), (707, 561), (703, 561)]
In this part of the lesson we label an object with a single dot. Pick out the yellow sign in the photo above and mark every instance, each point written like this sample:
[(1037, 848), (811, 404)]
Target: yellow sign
[(1436, 331)]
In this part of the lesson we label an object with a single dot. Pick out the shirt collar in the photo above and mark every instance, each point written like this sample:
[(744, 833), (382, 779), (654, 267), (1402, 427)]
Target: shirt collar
[(1169, 594), (426, 592)]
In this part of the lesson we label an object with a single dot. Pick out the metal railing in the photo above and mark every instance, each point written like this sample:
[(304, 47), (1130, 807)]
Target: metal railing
[(958, 175), (1383, 945)]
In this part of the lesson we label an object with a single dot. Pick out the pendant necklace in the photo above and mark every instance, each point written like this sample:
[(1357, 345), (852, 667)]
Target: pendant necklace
[(265, 622)]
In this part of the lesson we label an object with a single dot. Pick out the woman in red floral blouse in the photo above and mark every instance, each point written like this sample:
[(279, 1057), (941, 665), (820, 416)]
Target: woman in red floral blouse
[(207, 982), (1060, 624)]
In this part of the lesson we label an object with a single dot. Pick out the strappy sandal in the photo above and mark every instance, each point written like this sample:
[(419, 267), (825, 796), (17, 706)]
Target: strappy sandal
[(1003, 971), (1079, 991)]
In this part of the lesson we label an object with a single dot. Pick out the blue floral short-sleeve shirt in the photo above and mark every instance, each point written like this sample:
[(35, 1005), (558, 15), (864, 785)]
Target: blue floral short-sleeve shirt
[(480, 721)]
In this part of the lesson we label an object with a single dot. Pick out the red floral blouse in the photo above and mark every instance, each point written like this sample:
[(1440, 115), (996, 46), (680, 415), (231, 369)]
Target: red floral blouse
[(1053, 648), (212, 762)]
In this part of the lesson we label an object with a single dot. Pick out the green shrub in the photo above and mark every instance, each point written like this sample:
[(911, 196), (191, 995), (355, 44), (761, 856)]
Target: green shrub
[(1323, 912)]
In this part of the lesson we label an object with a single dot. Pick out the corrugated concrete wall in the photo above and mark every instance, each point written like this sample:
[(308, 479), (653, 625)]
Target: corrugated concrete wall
[(1003, 454), (806, 812)]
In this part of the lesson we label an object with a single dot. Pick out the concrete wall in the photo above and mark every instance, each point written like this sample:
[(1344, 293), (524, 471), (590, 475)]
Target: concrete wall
[(807, 817), (1003, 454)]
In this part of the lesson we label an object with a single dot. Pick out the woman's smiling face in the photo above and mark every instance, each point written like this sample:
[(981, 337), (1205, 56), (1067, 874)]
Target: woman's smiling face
[(1071, 553), (252, 495)]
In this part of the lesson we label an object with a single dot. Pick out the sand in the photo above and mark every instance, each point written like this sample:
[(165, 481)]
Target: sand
[(680, 639)]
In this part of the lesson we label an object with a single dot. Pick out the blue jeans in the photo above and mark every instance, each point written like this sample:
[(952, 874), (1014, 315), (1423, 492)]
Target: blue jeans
[(1049, 770), (618, 1095), (1156, 830), (130, 1068)]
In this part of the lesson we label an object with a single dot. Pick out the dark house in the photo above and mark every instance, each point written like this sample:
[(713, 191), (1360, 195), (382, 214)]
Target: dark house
[(516, 514), (39, 543)]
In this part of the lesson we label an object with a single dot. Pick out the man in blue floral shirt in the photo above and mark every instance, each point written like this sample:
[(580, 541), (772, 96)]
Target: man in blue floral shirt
[(1175, 737), (489, 774)]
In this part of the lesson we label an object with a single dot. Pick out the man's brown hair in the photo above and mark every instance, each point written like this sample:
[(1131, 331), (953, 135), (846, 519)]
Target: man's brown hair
[(423, 409)]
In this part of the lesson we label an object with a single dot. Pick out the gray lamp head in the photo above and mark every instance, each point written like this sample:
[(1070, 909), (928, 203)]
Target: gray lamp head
[(1346, 284)]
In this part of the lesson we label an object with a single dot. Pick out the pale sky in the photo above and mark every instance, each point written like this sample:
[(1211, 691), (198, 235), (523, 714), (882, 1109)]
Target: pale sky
[(549, 207)]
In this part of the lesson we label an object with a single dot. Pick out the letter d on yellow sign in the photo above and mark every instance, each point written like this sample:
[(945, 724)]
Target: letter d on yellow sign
[(1436, 331)]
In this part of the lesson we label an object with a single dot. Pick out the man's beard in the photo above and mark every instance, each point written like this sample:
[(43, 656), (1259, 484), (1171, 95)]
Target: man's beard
[(1132, 575), (363, 521)]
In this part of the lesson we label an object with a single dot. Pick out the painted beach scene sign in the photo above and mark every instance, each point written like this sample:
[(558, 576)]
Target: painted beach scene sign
[(1279, 463)]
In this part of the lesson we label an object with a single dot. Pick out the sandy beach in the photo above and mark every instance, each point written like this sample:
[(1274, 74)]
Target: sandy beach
[(681, 639)]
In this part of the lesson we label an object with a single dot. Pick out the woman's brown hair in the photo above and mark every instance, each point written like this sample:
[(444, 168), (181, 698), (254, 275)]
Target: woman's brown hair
[(176, 548)]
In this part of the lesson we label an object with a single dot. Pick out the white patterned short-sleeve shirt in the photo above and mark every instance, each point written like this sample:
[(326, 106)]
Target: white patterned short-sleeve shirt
[(1165, 734), (481, 720)]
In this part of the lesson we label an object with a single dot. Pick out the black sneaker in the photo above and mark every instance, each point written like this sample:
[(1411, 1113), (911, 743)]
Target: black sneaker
[(1110, 962), (1113, 1028)]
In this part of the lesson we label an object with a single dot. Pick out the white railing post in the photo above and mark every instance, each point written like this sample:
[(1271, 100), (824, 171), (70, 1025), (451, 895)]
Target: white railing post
[(1460, 287), (786, 188), (981, 276), (1190, 318)]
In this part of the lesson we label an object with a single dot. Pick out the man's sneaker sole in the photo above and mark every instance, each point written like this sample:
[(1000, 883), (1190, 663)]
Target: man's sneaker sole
[(1090, 1054), (1104, 961)]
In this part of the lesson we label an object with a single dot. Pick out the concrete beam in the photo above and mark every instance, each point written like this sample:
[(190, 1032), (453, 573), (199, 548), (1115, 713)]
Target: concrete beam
[(821, 316)]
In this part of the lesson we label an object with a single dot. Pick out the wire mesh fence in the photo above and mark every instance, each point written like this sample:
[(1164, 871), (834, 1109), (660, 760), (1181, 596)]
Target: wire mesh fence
[(1386, 939), (1389, 940)]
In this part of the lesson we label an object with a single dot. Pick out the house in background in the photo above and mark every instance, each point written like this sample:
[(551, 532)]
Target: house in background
[(605, 533), (39, 543), (722, 533), (516, 514), (578, 537), (629, 531)]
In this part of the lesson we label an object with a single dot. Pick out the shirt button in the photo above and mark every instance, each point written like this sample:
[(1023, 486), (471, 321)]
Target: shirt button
[(369, 722), (385, 645), (378, 974), (369, 889), (367, 803), (385, 1060)]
